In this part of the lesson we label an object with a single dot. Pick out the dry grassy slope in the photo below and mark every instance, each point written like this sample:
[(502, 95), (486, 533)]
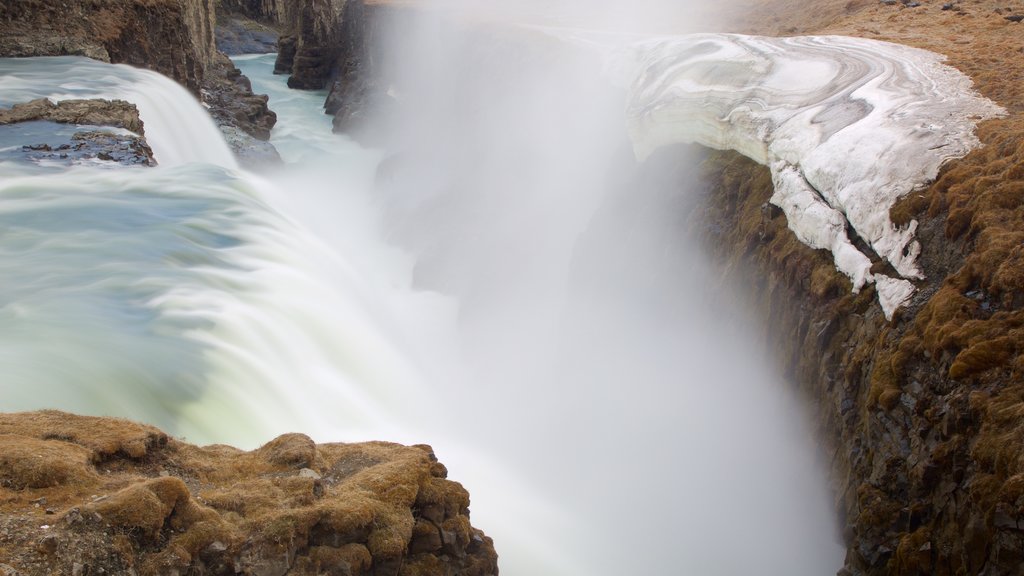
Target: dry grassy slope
[(113, 497), (926, 414)]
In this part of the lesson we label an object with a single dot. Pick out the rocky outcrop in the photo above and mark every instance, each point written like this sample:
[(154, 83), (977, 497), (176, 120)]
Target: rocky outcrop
[(359, 84), (311, 42), (116, 113), (173, 37), (251, 26), (86, 143), (231, 101), (82, 495), (271, 12), (238, 35)]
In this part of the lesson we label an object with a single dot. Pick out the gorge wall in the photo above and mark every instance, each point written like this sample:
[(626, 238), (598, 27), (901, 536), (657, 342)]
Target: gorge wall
[(923, 416), (173, 37)]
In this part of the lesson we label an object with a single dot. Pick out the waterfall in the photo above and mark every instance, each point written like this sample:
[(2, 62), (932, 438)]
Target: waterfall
[(541, 322), (176, 127)]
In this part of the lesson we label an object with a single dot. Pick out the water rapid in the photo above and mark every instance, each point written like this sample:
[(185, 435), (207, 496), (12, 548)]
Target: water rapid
[(540, 322)]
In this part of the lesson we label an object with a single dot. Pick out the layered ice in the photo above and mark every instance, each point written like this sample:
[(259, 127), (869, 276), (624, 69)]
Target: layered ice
[(846, 125)]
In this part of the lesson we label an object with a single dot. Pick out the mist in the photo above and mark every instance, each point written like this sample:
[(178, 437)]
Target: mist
[(608, 403)]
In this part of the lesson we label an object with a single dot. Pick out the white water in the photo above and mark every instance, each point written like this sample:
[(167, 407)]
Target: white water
[(176, 138), (550, 336)]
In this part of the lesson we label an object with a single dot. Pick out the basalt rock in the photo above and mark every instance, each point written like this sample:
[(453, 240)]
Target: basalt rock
[(359, 85), (173, 37), (236, 35), (232, 103), (91, 141), (310, 43), (82, 495)]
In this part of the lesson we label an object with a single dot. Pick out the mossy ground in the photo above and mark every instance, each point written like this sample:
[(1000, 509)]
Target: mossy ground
[(113, 495)]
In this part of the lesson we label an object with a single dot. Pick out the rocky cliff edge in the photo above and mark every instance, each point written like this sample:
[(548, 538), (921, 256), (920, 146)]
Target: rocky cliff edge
[(85, 495)]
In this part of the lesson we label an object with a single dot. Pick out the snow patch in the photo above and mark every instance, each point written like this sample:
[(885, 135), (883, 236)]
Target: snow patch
[(847, 126)]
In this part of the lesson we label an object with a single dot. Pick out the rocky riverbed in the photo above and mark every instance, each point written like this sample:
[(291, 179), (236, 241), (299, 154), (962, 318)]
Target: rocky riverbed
[(41, 132)]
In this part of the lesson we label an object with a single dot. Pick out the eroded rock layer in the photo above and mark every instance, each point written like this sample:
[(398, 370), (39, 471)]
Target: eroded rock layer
[(84, 495)]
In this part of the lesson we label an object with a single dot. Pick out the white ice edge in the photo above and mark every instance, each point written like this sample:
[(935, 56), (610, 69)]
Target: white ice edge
[(847, 126)]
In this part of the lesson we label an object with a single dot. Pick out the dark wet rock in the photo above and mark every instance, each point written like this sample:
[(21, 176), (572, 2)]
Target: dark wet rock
[(270, 12), (250, 152), (236, 35), (358, 85), (1015, 17), (66, 147), (228, 94), (173, 37), (97, 130), (310, 42)]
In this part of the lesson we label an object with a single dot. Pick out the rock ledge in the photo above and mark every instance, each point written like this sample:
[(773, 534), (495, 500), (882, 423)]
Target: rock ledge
[(84, 495)]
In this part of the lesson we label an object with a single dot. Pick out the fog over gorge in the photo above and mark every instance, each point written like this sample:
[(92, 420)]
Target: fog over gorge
[(620, 393), (648, 288)]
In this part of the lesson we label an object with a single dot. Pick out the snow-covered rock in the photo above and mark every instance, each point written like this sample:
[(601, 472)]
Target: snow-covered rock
[(846, 125)]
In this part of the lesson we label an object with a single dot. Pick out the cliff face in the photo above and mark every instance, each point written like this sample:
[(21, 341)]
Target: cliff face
[(173, 37), (357, 82), (82, 495), (275, 12), (338, 45), (311, 42), (922, 415)]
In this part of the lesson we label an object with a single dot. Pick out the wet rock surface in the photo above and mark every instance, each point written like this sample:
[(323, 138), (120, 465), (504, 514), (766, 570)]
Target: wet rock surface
[(230, 100), (85, 146), (74, 132), (173, 37), (82, 495), (237, 35), (311, 42)]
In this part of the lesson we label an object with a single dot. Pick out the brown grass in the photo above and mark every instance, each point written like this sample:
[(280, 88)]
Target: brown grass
[(159, 504)]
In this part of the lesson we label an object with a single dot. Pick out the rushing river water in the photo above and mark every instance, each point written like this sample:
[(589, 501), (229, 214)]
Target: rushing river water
[(564, 355)]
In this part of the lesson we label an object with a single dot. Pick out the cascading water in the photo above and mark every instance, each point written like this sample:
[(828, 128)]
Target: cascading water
[(535, 316)]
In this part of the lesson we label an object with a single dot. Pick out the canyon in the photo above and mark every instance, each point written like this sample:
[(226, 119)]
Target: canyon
[(918, 408)]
